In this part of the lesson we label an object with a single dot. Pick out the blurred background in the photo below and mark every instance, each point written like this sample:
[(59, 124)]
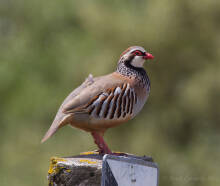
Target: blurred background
[(47, 48)]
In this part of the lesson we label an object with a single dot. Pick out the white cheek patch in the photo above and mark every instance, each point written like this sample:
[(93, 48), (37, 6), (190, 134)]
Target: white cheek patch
[(138, 61)]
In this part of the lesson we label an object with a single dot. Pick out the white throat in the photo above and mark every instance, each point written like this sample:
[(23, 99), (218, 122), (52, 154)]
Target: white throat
[(138, 61)]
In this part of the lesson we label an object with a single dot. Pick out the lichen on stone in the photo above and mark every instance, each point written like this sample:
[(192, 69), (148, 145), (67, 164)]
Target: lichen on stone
[(53, 165), (87, 161)]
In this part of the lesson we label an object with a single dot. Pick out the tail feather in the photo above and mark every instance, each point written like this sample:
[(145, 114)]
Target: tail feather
[(49, 133), (57, 123)]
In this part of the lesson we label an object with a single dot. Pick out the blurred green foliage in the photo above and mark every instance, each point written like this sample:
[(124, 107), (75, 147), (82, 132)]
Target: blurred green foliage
[(47, 48)]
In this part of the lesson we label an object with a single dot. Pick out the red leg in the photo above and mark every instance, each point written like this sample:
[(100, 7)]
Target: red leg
[(99, 141)]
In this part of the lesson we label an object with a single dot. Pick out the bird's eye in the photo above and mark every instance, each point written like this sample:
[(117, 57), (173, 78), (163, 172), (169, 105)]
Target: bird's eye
[(137, 53)]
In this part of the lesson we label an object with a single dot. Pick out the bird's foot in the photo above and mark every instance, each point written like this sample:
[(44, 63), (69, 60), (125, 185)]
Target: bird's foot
[(103, 147), (104, 151), (90, 152), (119, 154)]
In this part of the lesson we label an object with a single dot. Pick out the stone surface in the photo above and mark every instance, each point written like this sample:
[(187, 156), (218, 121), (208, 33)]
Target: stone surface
[(82, 170)]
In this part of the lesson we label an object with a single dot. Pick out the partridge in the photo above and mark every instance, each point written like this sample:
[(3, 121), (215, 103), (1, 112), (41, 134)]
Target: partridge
[(103, 102)]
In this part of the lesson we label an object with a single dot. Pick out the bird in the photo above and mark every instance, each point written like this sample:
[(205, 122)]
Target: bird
[(103, 102)]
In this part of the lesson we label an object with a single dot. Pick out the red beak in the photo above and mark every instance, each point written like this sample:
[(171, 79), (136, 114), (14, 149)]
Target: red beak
[(148, 56)]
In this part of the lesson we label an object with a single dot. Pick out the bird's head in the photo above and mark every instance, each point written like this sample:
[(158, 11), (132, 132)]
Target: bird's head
[(135, 56)]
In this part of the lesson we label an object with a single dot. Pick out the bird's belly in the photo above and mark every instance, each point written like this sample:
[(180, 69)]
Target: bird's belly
[(98, 124)]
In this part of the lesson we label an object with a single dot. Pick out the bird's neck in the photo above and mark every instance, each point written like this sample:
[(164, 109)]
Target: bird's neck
[(126, 69)]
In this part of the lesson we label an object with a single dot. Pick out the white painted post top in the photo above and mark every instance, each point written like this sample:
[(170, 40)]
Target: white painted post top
[(128, 171)]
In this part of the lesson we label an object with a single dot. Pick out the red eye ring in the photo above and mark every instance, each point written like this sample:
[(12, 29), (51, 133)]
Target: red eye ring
[(137, 53)]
